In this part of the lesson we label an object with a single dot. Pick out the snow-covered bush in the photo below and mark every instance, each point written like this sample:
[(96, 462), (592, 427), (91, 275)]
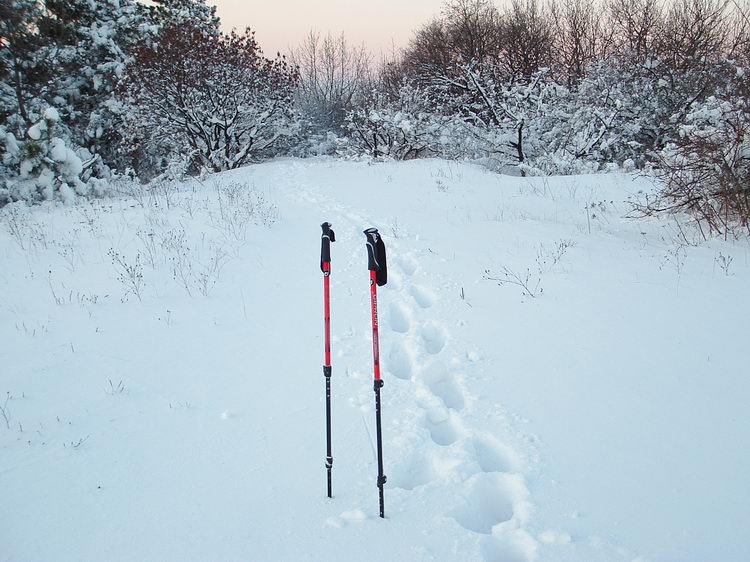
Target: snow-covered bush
[(498, 120), (614, 118), (706, 171), (211, 98), (42, 166), (400, 128), (514, 115), (621, 115)]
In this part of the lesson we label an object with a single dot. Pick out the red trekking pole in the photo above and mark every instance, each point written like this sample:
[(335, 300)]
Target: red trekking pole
[(325, 266), (378, 276)]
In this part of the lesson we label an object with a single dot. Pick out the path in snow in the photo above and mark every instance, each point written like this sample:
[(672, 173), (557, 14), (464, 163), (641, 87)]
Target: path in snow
[(493, 500)]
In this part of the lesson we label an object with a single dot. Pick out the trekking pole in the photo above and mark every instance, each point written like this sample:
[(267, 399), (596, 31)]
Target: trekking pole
[(325, 266), (376, 263)]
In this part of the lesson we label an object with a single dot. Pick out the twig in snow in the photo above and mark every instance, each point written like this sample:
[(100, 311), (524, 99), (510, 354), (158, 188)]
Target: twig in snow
[(531, 285)]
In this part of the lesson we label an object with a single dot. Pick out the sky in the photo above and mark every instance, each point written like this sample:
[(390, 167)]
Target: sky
[(279, 24)]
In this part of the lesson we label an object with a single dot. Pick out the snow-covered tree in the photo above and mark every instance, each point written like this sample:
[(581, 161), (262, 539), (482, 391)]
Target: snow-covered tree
[(527, 39), (212, 99), (173, 13), (635, 27), (98, 37), (70, 55), (25, 70), (332, 76), (41, 166), (581, 38)]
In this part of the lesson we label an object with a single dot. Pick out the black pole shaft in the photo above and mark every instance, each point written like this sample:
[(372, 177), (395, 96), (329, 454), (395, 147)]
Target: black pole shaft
[(329, 457), (379, 433)]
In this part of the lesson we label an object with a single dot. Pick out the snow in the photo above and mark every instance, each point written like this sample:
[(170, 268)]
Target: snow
[(26, 168), (51, 114), (73, 162), (181, 416), (67, 194), (57, 150), (35, 131), (11, 146)]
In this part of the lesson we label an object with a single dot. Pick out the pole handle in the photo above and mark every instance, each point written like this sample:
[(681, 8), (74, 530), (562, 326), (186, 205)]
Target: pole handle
[(376, 258), (326, 238)]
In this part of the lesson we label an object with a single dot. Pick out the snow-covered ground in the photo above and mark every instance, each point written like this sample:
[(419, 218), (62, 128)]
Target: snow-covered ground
[(165, 398)]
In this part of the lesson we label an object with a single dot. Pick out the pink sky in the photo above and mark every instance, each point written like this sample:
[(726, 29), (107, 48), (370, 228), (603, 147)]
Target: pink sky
[(279, 24)]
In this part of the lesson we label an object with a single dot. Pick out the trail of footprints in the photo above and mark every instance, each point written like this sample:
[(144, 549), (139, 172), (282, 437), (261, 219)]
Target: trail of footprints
[(494, 494), (494, 500)]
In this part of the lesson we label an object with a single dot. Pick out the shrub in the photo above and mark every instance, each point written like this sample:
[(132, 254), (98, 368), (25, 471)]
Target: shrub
[(212, 98)]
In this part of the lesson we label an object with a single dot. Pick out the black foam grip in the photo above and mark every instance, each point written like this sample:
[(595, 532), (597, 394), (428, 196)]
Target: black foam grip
[(325, 243), (376, 258)]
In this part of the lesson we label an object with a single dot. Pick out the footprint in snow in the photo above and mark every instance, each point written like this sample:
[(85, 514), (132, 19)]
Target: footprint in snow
[(400, 361), (493, 456), (434, 337), (444, 385), (424, 297), (489, 500), (398, 317), (443, 426), (408, 264)]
